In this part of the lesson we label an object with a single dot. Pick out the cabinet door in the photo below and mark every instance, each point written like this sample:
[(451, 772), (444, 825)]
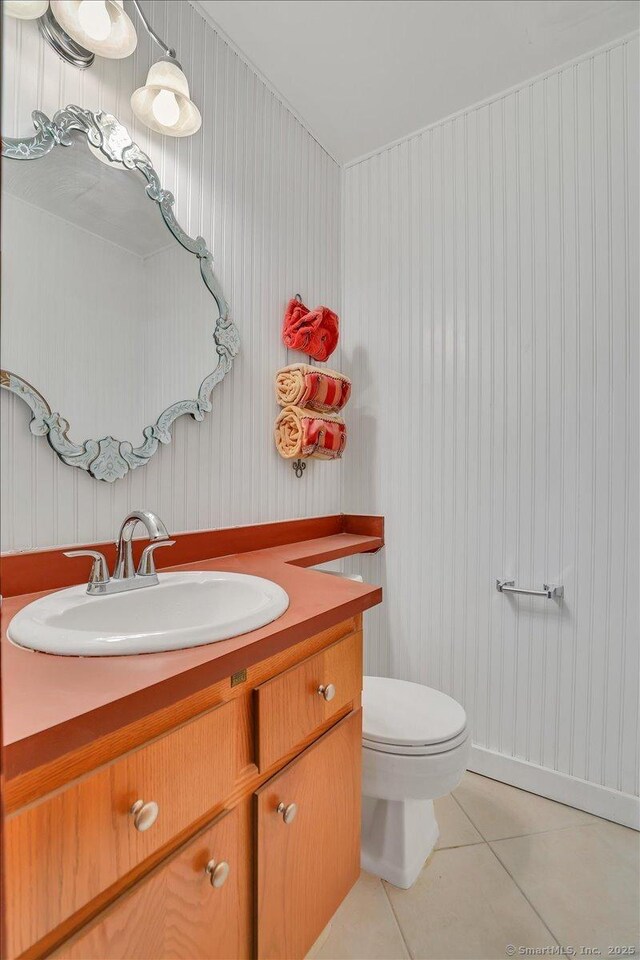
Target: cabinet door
[(306, 866), (177, 912)]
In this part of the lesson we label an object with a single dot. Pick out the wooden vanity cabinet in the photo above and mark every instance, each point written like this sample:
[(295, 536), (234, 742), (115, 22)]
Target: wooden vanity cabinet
[(84, 882)]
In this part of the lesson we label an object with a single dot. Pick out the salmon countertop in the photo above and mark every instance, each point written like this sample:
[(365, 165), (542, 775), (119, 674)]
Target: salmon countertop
[(54, 704)]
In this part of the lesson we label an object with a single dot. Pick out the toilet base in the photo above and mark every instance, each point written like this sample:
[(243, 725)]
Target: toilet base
[(397, 838)]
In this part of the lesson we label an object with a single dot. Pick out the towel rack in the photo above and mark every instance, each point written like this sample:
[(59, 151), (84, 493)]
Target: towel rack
[(549, 590)]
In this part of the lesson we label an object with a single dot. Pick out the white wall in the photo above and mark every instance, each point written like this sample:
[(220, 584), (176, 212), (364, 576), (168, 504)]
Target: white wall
[(266, 197), (491, 330)]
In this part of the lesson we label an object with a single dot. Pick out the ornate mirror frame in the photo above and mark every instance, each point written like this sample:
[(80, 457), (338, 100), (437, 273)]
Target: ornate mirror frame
[(107, 458)]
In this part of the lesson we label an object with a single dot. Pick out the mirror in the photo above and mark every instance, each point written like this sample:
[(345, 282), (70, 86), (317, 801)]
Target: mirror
[(113, 322)]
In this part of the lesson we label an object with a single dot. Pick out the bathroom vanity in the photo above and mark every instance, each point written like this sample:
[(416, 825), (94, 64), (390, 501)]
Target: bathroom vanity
[(198, 803)]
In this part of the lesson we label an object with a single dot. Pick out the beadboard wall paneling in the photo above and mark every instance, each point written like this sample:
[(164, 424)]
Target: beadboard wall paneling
[(266, 197), (491, 330)]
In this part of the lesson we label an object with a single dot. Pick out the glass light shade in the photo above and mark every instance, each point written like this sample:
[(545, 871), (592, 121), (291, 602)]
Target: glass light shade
[(163, 103), (25, 9), (100, 26)]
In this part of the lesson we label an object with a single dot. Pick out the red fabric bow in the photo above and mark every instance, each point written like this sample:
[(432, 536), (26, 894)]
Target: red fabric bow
[(314, 332)]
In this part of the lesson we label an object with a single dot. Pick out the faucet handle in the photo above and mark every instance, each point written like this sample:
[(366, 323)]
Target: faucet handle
[(146, 567), (99, 570)]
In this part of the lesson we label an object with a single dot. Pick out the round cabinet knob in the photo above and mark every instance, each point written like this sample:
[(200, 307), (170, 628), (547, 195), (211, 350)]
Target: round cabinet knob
[(218, 872), (328, 692), (288, 811), (144, 814)]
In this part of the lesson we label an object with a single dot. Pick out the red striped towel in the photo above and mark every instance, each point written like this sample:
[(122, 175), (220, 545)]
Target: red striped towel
[(305, 433), (314, 388)]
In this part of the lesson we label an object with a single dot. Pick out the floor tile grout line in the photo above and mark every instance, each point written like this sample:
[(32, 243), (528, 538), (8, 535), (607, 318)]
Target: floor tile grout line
[(538, 833), (516, 884), (508, 872), (543, 833), (468, 816), (487, 844), (541, 796), (594, 822), (464, 812), (395, 917), (458, 846)]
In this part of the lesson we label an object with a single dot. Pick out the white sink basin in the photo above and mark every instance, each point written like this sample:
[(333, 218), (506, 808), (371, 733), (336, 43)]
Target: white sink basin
[(182, 610)]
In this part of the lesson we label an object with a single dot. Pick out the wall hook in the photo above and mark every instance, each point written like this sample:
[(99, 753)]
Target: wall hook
[(299, 466)]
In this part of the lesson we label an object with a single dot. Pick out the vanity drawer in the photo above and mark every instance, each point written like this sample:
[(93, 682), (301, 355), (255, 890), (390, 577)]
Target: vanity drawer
[(290, 709), (176, 912), (66, 849)]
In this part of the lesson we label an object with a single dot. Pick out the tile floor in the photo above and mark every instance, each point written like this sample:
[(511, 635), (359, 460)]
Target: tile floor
[(511, 871)]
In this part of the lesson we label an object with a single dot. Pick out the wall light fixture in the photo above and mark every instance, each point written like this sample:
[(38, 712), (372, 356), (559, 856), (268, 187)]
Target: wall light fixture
[(80, 30)]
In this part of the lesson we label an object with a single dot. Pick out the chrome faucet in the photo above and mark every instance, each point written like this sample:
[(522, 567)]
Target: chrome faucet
[(158, 534), (125, 576)]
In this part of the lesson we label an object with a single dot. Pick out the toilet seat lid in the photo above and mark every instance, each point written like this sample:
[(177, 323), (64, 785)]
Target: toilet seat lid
[(422, 750), (404, 713)]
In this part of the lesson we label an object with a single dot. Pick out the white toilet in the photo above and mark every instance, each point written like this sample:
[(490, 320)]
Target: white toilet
[(415, 746)]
